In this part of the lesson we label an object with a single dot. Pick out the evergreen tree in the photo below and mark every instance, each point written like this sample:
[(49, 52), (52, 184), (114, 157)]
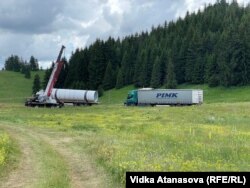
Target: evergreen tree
[(138, 72), (239, 59), (100, 91), (145, 73), (212, 71), (190, 62), (127, 68), (36, 84), (33, 64), (211, 46), (120, 79), (109, 77), (156, 73), (224, 60), (83, 63), (27, 72), (163, 69), (225, 75), (97, 65), (180, 60), (13, 63), (171, 82), (60, 83), (198, 72)]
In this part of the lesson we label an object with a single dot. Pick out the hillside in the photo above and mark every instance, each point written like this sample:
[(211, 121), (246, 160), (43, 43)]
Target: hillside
[(14, 88), (222, 94), (209, 47)]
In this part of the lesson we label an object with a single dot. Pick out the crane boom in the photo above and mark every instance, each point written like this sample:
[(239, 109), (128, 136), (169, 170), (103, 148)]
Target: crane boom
[(55, 74)]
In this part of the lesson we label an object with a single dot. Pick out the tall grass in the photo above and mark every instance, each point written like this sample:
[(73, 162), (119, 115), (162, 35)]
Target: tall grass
[(9, 154), (4, 148), (210, 137)]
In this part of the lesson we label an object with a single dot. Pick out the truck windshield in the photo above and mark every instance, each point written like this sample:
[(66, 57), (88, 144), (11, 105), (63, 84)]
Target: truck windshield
[(129, 96)]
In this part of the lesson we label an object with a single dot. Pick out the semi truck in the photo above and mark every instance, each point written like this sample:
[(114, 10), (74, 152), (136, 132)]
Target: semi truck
[(150, 96), (53, 97)]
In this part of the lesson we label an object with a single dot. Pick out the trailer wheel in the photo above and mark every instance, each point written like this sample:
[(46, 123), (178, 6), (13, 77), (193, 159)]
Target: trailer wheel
[(61, 105)]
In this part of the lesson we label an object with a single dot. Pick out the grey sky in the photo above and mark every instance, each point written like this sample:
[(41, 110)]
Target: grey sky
[(39, 28)]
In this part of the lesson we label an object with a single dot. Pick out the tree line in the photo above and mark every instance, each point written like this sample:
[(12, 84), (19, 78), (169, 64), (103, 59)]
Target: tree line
[(17, 64), (207, 47)]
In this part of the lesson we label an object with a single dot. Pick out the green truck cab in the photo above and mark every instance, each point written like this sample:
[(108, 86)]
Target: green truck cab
[(132, 99)]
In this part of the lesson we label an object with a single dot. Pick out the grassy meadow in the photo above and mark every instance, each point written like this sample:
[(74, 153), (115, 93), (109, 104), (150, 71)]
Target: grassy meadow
[(4, 146), (214, 136), (9, 153), (14, 88)]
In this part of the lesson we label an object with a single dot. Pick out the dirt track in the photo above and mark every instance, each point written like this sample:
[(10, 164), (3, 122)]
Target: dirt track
[(82, 172)]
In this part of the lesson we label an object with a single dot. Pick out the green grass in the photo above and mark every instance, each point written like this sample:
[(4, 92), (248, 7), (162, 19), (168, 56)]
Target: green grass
[(53, 168), (210, 137), (222, 94), (115, 96), (14, 88), (9, 154), (50, 169)]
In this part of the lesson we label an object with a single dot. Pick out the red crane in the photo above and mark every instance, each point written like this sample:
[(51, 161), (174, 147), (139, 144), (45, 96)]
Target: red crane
[(42, 98), (55, 74), (53, 97)]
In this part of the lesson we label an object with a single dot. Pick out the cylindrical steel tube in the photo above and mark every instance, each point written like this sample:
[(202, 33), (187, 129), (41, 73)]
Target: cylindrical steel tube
[(73, 95)]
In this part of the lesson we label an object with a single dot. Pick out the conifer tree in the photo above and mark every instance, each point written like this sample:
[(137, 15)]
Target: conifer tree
[(145, 74), (27, 72), (33, 64), (120, 79), (156, 73), (171, 82), (137, 72), (211, 46), (97, 65), (62, 76), (36, 84), (212, 71), (109, 77)]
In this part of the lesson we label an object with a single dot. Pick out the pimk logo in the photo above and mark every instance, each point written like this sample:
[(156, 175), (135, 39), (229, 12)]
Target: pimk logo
[(166, 95)]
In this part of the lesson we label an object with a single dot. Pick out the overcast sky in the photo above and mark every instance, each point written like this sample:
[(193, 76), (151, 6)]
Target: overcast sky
[(40, 27)]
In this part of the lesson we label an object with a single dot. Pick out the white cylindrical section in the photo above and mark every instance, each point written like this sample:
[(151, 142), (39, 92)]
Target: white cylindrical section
[(73, 95)]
